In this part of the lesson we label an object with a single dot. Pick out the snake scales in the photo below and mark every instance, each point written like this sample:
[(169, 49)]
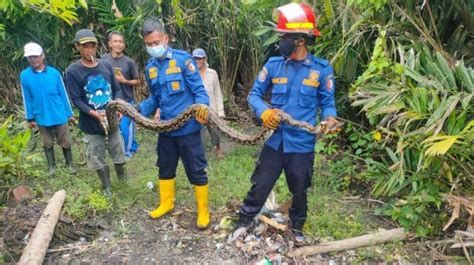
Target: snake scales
[(111, 123)]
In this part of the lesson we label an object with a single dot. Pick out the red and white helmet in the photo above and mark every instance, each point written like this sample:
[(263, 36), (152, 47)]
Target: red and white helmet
[(296, 18)]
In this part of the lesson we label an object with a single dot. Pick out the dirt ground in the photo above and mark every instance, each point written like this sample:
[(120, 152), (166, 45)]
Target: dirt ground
[(172, 239), (134, 238), (175, 239)]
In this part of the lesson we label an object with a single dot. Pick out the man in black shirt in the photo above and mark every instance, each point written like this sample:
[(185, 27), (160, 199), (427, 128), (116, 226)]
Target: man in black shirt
[(92, 84), (126, 73)]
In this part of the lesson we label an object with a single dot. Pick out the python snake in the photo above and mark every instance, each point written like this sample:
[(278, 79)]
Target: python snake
[(110, 124)]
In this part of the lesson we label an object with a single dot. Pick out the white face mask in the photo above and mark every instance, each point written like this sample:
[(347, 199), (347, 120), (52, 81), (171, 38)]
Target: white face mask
[(156, 51)]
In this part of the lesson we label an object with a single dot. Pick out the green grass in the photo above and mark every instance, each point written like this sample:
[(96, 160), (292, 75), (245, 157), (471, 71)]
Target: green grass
[(230, 178), (329, 217)]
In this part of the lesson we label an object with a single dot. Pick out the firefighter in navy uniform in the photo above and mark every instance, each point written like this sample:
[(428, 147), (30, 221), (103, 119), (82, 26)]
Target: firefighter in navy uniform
[(175, 84), (301, 85)]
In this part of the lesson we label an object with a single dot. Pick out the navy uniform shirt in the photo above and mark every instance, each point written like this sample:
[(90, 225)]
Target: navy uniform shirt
[(175, 84), (299, 88)]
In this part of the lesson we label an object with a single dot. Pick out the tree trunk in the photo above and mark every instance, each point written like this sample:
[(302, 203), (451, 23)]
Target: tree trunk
[(355, 242), (35, 250)]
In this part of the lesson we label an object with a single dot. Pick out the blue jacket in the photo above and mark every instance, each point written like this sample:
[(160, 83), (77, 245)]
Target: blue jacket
[(175, 84), (300, 89), (44, 97)]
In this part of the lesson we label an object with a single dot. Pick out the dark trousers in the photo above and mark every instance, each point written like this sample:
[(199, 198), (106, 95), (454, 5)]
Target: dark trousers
[(298, 170), (191, 151)]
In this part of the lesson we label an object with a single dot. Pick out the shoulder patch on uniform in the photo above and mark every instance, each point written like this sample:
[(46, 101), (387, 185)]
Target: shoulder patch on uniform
[(262, 76), (329, 85), (190, 65)]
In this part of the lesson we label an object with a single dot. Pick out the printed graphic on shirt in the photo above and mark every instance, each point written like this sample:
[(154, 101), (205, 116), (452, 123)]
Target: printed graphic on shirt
[(98, 91)]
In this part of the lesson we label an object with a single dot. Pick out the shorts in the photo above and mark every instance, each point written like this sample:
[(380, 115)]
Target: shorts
[(58, 132), (95, 149)]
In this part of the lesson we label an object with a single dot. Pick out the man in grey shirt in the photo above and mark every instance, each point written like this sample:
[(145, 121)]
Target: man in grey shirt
[(126, 73)]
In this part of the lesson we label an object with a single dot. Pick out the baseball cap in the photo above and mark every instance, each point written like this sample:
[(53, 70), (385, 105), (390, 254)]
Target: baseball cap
[(32, 49), (199, 53), (85, 36)]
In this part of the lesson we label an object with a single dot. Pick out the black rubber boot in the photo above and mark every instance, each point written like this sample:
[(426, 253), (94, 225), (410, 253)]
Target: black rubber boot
[(240, 228), (68, 157), (244, 221), (120, 171), (104, 175), (49, 152), (297, 232)]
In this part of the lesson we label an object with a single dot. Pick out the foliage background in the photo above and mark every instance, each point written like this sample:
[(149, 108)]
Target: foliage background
[(404, 78)]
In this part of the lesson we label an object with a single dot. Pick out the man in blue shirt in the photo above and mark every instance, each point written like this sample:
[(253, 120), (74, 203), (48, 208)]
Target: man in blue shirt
[(175, 84), (300, 85), (47, 105)]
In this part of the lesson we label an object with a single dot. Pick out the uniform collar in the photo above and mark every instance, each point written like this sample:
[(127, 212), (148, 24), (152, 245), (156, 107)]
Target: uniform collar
[(307, 60), (169, 55)]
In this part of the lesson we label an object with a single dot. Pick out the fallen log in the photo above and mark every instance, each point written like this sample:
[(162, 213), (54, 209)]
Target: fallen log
[(351, 243), (35, 250)]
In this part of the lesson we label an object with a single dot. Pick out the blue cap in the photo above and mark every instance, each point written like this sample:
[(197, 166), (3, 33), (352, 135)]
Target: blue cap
[(199, 53)]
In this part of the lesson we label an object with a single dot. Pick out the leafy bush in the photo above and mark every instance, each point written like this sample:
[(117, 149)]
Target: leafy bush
[(15, 164), (98, 202), (423, 106)]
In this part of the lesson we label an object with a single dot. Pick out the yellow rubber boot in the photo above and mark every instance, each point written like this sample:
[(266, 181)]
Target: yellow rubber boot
[(166, 192), (202, 206)]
